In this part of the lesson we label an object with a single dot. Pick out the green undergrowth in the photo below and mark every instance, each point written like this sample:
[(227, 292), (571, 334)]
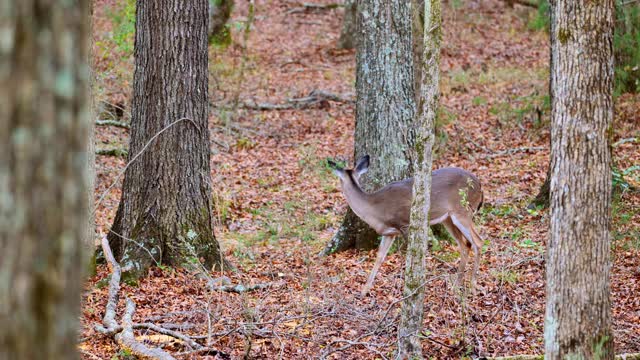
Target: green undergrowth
[(626, 42)]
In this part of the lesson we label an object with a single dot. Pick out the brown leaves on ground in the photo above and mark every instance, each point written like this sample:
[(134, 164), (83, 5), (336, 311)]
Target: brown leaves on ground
[(277, 204)]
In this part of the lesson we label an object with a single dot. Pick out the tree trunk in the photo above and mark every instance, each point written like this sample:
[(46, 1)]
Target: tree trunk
[(542, 199), (219, 14), (384, 107), (165, 209), (409, 346), (348, 34), (44, 124), (578, 313)]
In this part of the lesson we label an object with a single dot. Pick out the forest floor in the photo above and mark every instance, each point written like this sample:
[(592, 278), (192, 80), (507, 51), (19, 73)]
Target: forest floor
[(277, 204)]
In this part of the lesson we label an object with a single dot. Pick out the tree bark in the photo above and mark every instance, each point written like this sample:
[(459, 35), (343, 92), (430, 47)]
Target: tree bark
[(578, 312), (349, 30), (409, 346), (165, 212), (44, 125), (385, 106)]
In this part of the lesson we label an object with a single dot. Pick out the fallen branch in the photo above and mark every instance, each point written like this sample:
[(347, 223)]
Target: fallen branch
[(118, 152), (113, 123), (634, 356), (523, 3), (238, 289), (126, 339), (312, 7), (516, 150), (624, 141), (316, 97)]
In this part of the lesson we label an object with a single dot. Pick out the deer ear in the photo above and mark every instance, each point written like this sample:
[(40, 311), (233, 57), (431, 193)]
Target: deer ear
[(362, 166)]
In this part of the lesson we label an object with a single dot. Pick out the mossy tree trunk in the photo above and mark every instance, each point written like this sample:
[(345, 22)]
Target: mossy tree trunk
[(578, 311), (165, 212), (385, 106), (409, 346), (44, 128)]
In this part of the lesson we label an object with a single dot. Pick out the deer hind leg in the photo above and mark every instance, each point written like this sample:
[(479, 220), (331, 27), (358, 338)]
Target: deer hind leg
[(463, 246), (385, 245), (465, 226)]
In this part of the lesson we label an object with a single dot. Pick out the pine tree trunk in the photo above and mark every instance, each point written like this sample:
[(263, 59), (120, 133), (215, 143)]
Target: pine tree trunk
[(165, 207), (384, 107), (409, 346), (44, 127), (578, 313), (349, 30)]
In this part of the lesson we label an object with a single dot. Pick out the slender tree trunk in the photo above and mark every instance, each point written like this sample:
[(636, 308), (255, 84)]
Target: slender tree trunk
[(578, 313), (165, 210), (409, 346), (384, 108), (349, 30), (219, 14), (44, 123)]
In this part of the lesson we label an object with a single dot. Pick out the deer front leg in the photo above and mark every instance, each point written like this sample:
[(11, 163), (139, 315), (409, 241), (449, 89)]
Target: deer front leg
[(385, 245)]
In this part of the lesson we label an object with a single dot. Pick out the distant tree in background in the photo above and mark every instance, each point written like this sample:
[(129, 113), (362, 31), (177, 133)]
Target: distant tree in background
[(385, 106), (409, 346), (348, 34), (165, 212), (578, 311), (44, 130), (219, 14)]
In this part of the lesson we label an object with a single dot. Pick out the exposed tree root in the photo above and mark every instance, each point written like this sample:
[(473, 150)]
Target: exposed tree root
[(124, 333)]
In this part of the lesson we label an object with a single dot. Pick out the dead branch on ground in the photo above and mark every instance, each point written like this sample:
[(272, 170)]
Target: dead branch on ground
[(315, 98), (238, 289), (516, 150), (635, 356), (527, 3), (115, 123), (313, 7), (126, 339)]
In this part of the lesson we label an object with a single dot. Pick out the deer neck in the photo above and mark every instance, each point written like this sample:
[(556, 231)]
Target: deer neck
[(357, 199)]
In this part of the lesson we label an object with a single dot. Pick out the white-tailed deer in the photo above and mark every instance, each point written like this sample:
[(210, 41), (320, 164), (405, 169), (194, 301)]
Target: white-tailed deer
[(455, 196)]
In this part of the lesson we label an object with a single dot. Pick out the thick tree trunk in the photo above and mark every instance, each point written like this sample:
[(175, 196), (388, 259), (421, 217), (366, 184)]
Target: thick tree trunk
[(578, 313), (409, 346), (349, 30), (384, 107), (44, 123), (165, 210)]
